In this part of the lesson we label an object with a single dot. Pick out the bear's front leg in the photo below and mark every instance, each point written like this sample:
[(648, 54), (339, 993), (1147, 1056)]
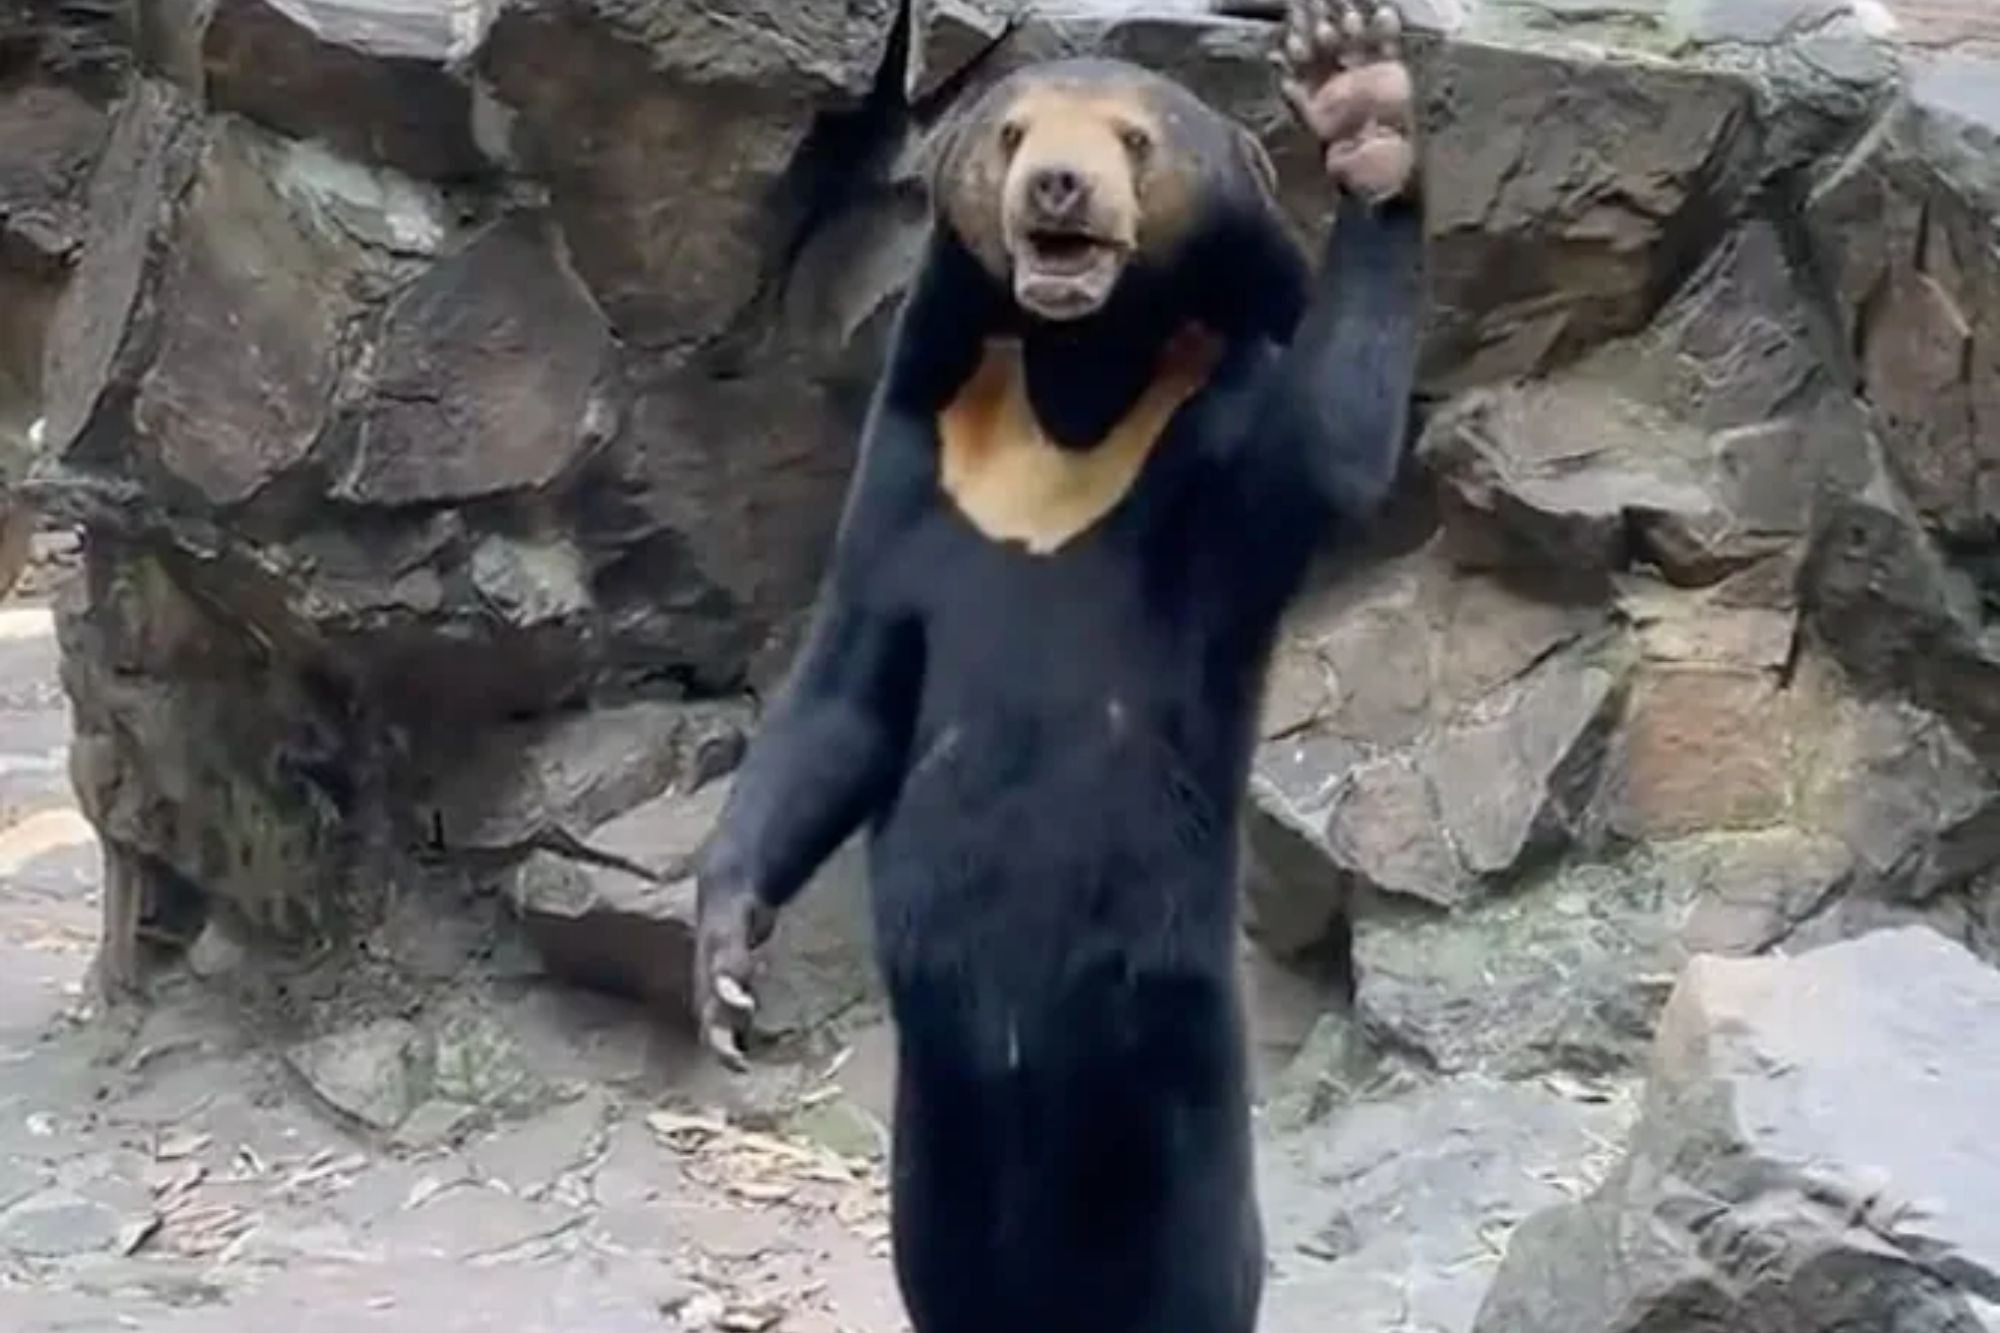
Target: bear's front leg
[(1335, 414), (1342, 70)]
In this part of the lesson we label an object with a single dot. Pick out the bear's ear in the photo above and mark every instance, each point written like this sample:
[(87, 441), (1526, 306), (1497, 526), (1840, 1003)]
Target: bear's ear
[(935, 156), (1258, 160)]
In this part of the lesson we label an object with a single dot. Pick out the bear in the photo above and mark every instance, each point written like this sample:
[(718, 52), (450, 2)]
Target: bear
[(1119, 415)]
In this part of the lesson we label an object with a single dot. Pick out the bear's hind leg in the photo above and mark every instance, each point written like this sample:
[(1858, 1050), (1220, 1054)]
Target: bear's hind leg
[(942, 1211)]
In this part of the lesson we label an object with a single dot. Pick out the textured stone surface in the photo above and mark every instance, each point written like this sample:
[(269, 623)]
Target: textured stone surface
[(485, 366), (1773, 1181), (369, 79), (1570, 971), (252, 309), (1704, 749), (556, 779), (614, 910), (1696, 447), (947, 37), (489, 362), (1383, 1214), (457, 399), (1458, 741), (364, 1072)]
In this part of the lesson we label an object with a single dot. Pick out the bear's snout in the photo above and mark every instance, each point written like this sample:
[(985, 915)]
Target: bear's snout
[(1059, 194)]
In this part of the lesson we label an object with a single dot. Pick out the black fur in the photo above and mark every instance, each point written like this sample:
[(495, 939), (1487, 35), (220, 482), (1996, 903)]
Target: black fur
[(1050, 752)]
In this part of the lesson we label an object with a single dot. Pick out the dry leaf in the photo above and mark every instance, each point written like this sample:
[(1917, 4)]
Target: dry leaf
[(750, 1318), (324, 1170), (425, 1190), (762, 1192), (181, 1183), (177, 1146), (134, 1234)]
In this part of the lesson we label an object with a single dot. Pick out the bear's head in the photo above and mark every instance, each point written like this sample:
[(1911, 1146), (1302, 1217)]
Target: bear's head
[(1069, 178)]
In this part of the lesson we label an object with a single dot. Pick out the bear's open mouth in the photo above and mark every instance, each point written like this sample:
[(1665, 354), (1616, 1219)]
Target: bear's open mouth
[(1065, 273), (1066, 252)]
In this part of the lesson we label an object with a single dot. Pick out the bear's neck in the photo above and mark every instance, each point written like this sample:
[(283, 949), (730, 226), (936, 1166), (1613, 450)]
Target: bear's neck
[(1084, 376), (1083, 381)]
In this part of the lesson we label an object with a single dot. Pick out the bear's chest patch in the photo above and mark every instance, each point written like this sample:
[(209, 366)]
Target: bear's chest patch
[(1014, 484)]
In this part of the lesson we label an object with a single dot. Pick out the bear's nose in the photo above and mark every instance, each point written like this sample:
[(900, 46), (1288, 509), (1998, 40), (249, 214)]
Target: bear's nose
[(1056, 191)]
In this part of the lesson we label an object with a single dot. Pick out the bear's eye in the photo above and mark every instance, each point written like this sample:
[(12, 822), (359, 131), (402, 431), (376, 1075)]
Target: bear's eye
[(1011, 135), (1137, 142)]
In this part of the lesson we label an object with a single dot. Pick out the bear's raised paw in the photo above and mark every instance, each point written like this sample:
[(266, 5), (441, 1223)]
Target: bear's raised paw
[(1341, 67)]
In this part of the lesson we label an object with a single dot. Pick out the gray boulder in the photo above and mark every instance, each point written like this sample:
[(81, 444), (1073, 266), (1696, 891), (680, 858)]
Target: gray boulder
[(1816, 1151)]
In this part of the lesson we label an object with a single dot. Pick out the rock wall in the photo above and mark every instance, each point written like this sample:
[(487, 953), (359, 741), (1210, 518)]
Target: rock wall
[(457, 400), (58, 71)]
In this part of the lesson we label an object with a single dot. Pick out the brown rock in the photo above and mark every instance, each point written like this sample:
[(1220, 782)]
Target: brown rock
[(946, 36), (558, 778), (1704, 627), (211, 775), (666, 135), (1752, 892), (1916, 349), (1513, 781), (1429, 731), (1704, 749), (373, 82), (1492, 634), (708, 517), (485, 375), (1550, 476), (1296, 897), (254, 306), (1474, 800), (1408, 643), (1904, 225), (49, 138), (1917, 809), (624, 923), (1385, 833), (1567, 190), (1696, 447), (1296, 692), (95, 352), (1378, 659)]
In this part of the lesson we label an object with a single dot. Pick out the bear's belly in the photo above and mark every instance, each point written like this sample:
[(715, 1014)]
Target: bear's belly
[(1020, 853)]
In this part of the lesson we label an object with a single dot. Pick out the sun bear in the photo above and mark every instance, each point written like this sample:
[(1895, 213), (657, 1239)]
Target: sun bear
[(1119, 414)]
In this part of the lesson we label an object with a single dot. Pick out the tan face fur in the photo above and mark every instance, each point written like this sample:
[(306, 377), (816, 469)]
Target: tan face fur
[(1062, 184)]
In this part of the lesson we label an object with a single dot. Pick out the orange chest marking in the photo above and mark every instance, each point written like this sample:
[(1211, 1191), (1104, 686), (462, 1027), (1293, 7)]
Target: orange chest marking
[(1014, 484)]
